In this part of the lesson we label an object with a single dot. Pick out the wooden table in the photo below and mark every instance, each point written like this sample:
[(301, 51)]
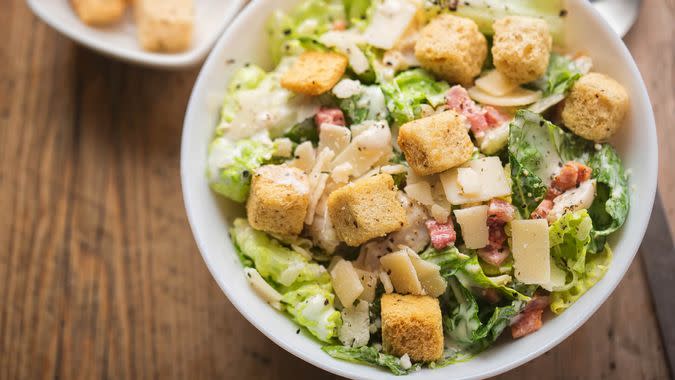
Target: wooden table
[(99, 274)]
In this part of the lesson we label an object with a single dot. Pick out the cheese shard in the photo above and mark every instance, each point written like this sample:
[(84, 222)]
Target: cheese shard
[(490, 177), (346, 282), (468, 180), (531, 251), (402, 273), (389, 22), (495, 84), (473, 221), (429, 275)]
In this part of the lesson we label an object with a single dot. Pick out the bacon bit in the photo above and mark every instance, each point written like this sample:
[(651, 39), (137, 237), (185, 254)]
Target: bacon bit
[(529, 320), (459, 101), (442, 234), (494, 256), (339, 25), (491, 295), (542, 210), (500, 211), (527, 323), (497, 236), (584, 172), (494, 117), (552, 193), (330, 116), (566, 177)]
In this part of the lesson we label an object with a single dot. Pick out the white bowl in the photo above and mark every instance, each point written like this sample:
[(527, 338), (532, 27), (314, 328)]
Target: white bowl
[(119, 40), (246, 41)]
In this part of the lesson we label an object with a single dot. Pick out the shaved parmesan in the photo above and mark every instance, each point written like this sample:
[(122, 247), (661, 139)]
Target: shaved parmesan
[(402, 273), (346, 283), (531, 251), (495, 84), (440, 213), (473, 221), (517, 97), (304, 157), (428, 274), (347, 42), (284, 147), (314, 197), (492, 182), (386, 282), (264, 290), (341, 172), (369, 282), (393, 169), (389, 22), (468, 181), (421, 192), (334, 137), (347, 88)]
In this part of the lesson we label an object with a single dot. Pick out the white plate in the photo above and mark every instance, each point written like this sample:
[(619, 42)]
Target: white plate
[(209, 214), (119, 40)]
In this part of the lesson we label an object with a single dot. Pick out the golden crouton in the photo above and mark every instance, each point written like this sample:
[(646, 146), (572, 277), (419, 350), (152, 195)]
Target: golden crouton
[(279, 199), (453, 48), (99, 12), (595, 107), (412, 325), (165, 25), (314, 73), (435, 143), (521, 48), (366, 209)]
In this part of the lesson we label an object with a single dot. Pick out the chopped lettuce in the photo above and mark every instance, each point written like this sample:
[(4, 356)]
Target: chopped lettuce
[(358, 12), (560, 76), (596, 267), (610, 207), (369, 104), (569, 237), (369, 355), (293, 32), (409, 90), (304, 131), (231, 165), (306, 289), (247, 77), (486, 12)]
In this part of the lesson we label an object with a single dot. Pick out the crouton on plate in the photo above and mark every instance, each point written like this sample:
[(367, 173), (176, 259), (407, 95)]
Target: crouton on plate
[(165, 25), (314, 73), (595, 107), (453, 48), (521, 48), (412, 325), (279, 199), (99, 12), (435, 143), (366, 209)]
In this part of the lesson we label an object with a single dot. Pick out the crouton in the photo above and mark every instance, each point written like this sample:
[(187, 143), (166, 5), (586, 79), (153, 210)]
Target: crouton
[(453, 48), (314, 73), (595, 107), (165, 25), (99, 12), (412, 325), (521, 48), (435, 143), (366, 209), (279, 199)]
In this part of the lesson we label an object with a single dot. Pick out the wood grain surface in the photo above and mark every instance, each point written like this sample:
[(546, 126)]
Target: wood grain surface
[(99, 274)]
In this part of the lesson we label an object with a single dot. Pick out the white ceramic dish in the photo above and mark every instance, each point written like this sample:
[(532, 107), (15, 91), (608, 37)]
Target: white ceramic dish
[(119, 40), (208, 213)]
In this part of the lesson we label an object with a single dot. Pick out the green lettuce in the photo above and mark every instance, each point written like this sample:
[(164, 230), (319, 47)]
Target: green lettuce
[(610, 206), (304, 131), (247, 77), (306, 290), (367, 105), (231, 165), (560, 76), (410, 89), (569, 238), (486, 12), (293, 32), (369, 355), (595, 268)]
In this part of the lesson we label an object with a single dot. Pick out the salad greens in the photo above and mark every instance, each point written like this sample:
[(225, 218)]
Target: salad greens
[(479, 291)]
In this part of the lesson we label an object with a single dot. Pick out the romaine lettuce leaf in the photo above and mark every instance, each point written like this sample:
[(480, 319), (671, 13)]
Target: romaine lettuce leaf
[(231, 165), (291, 33), (610, 207), (304, 131), (595, 268), (369, 355), (560, 76), (410, 89), (367, 105), (569, 238), (307, 294), (247, 77)]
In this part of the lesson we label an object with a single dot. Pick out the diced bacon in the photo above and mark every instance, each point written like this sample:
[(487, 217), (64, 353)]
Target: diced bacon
[(566, 177), (339, 25), (459, 101), (584, 172), (541, 212), (330, 116), (539, 301), (496, 236), (494, 256), (500, 211), (527, 323), (442, 234), (491, 295), (494, 117)]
